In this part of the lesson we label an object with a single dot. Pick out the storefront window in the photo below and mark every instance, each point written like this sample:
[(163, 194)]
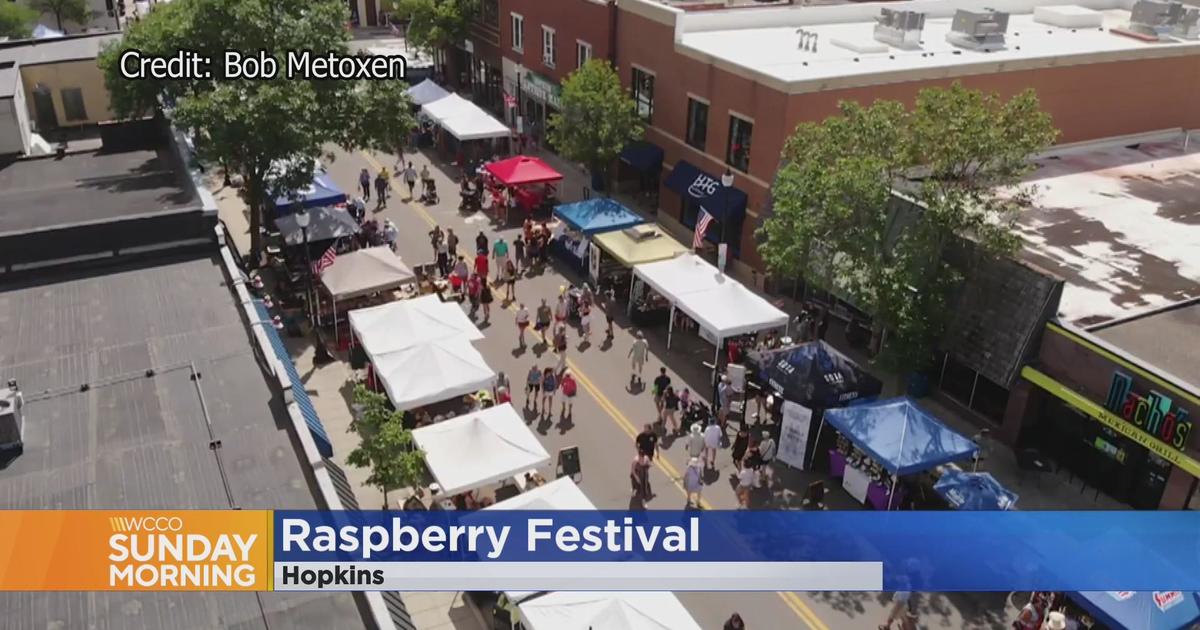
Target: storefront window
[(643, 93), (697, 123), (737, 154), (549, 50), (518, 32)]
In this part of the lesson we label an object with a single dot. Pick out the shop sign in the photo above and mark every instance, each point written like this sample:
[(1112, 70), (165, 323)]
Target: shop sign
[(1165, 600), (543, 89), (1153, 413), (704, 186)]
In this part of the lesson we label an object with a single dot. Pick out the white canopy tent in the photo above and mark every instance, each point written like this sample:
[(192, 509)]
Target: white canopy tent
[(560, 494), (478, 449), (463, 119), (722, 306), (398, 325), (426, 92), (432, 372), (363, 272), (605, 611)]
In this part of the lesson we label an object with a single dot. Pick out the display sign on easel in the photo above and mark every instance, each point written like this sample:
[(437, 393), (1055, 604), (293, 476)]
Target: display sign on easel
[(569, 464), (737, 377), (594, 263), (793, 434)]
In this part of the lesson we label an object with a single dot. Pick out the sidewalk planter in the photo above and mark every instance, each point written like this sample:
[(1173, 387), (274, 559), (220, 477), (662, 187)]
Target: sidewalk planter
[(918, 385)]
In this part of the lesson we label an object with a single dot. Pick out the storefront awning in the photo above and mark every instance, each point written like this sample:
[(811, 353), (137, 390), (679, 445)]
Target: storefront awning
[(724, 204), (644, 157)]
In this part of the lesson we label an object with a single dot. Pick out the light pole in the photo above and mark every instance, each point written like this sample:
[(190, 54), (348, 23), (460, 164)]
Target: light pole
[(321, 354), (727, 184)]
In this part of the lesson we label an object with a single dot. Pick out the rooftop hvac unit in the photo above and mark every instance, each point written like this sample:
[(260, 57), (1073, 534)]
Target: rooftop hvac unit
[(639, 233), (978, 30), (12, 424), (1162, 20), (901, 29)]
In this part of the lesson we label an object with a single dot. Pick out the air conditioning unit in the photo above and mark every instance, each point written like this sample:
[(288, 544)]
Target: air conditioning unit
[(978, 30), (1162, 20), (901, 29), (639, 233), (12, 423)]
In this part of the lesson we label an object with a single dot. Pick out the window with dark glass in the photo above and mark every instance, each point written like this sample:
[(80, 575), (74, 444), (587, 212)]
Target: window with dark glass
[(72, 99), (489, 12), (643, 93), (737, 154), (697, 123)]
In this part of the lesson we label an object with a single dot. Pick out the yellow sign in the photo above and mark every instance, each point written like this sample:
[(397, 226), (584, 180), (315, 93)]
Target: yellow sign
[(1111, 420)]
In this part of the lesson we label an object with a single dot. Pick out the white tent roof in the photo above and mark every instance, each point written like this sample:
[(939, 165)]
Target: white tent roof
[(719, 303), (560, 494), (606, 611), (398, 325), (463, 119), (426, 92), (366, 271), (479, 449), (432, 372)]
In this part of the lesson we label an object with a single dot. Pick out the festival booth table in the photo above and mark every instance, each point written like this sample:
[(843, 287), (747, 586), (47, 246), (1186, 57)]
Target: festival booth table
[(362, 273), (974, 491), (479, 449), (528, 179), (1128, 610), (721, 306), (465, 122), (321, 191), (620, 251), (895, 435), (581, 610), (431, 372), (584, 220)]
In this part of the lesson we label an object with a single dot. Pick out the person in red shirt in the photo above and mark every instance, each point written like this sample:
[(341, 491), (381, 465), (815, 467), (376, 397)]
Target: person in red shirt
[(481, 264)]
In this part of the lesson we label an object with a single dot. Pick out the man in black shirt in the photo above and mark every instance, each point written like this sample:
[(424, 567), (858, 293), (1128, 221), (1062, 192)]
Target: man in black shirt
[(647, 441), (661, 382)]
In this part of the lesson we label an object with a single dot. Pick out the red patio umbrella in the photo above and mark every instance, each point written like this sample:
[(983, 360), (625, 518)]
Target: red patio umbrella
[(521, 170)]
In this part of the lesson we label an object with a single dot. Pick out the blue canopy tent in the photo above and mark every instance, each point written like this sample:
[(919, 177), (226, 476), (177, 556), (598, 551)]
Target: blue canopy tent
[(900, 436), (1128, 610), (321, 192), (816, 375), (596, 215), (974, 491)]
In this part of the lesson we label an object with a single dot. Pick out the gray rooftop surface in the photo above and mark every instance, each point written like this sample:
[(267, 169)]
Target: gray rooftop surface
[(57, 50), (88, 187), (1168, 339), (132, 441), (9, 80)]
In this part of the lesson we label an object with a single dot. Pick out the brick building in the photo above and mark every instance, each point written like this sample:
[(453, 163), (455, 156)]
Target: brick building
[(724, 88)]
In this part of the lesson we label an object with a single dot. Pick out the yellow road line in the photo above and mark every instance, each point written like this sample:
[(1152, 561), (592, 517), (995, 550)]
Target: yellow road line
[(792, 600)]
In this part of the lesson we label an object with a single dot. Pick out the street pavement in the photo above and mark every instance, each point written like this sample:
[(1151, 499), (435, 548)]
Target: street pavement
[(608, 412)]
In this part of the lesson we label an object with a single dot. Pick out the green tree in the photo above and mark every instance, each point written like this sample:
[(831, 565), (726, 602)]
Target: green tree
[(73, 10), (597, 118), (270, 131), (837, 222), (386, 447), (437, 24), (16, 21)]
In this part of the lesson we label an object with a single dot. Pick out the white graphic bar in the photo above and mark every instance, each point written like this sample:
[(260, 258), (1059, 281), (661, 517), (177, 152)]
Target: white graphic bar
[(579, 576)]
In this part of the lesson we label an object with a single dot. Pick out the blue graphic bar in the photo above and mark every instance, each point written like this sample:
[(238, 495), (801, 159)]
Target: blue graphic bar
[(922, 551)]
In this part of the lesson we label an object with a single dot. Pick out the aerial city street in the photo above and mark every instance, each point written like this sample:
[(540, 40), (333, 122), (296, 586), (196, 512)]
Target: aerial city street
[(599, 254)]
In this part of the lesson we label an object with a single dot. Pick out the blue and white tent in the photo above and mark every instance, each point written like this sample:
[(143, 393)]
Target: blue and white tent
[(900, 436), (1130, 610)]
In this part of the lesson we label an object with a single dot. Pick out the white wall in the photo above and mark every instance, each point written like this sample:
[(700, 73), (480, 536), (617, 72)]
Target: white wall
[(14, 126)]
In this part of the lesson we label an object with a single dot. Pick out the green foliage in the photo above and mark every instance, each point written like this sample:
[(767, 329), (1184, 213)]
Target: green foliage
[(269, 131), (835, 221), (387, 448), (16, 21), (436, 24), (598, 117), (76, 11)]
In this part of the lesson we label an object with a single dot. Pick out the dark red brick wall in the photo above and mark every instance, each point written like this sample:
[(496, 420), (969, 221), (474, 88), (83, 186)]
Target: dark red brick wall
[(571, 20)]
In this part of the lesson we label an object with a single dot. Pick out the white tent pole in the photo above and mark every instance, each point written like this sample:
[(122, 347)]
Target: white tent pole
[(670, 326), (817, 444), (896, 476), (632, 288), (335, 318)]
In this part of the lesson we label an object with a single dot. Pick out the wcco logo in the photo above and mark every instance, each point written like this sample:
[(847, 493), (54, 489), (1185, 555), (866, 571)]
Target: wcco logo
[(145, 523)]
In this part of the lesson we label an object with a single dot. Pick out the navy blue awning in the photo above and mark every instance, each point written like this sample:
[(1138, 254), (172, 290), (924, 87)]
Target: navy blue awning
[(644, 157), (724, 204), (299, 394)]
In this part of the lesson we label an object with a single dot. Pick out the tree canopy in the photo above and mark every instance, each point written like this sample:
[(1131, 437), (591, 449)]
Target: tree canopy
[(957, 157), (597, 117), (387, 448), (270, 131), (16, 21), (435, 24), (76, 11)]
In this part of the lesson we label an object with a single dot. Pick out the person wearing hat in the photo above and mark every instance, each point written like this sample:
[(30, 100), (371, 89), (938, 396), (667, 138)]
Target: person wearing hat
[(695, 441), (693, 483), (1056, 620)]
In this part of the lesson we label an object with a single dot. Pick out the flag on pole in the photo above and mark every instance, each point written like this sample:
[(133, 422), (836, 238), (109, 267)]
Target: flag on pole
[(702, 222), (510, 101), (325, 261)]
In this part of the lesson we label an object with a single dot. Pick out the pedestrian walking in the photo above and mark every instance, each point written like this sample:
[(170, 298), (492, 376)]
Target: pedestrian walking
[(522, 324), (364, 182), (560, 337), (639, 478), (569, 389), (670, 408), (390, 234), (485, 298), (746, 478), (693, 484), (560, 366), (740, 443), (452, 243), (549, 389), (474, 292), (481, 242), (541, 320), (443, 258), (500, 254), (712, 443), (426, 179), (659, 389), (647, 441), (724, 400), (381, 187), (695, 441), (481, 263), (502, 396), (519, 252), (435, 238), (561, 309), (510, 281), (410, 180), (533, 385), (735, 623), (764, 454), (900, 610), (685, 400), (585, 322), (461, 271), (637, 355)]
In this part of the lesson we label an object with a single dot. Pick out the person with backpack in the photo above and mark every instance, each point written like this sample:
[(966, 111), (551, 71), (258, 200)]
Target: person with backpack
[(549, 388), (569, 389)]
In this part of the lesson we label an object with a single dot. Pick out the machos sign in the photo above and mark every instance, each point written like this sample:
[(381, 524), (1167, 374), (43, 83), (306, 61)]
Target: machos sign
[(1153, 413)]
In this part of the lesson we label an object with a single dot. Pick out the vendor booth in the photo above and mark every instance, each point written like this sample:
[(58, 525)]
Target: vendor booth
[(465, 122), (401, 324), (815, 375), (580, 610), (480, 449), (616, 253), (1129, 610), (320, 192), (431, 372), (560, 494), (974, 491), (426, 92), (325, 223), (362, 273), (583, 221), (527, 180), (886, 440)]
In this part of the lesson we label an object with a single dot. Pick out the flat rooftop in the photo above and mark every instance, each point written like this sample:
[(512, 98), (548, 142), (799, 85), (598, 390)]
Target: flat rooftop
[(764, 44), (1167, 339), (32, 52), (1121, 224), (87, 187), (133, 441)]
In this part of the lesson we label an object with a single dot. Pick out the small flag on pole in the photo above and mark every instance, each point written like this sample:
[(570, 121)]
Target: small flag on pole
[(702, 222), (325, 261), (510, 101)]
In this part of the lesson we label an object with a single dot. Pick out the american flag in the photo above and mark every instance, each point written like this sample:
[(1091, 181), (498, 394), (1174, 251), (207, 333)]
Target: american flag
[(510, 100), (705, 219), (325, 261)]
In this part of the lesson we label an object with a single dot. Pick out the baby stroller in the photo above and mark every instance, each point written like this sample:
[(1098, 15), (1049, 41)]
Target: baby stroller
[(574, 303), (696, 412), (471, 199), (429, 193)]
